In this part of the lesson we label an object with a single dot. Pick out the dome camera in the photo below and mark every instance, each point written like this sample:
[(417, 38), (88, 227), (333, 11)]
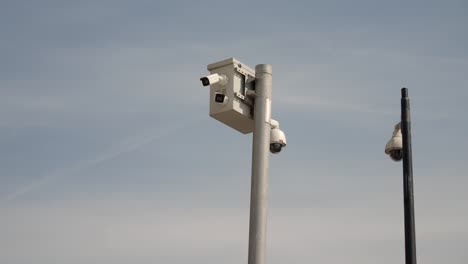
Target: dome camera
[(394, 147), (277, 140)]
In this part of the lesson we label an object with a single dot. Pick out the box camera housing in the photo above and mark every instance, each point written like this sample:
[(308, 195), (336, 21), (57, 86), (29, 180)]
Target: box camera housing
[(237, 110)]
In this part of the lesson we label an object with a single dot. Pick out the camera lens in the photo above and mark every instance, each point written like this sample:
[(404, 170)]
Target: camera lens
[(219, 98), (396, 154), (275, 147), (205, 81)]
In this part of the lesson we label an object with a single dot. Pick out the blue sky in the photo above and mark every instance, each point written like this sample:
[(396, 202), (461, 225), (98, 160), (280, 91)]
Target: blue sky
[(108, 154)]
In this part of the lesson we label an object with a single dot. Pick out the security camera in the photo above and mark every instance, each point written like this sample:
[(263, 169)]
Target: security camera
[(394, 147), (214, 79), (220, 98), (277, 137), (277, 140)]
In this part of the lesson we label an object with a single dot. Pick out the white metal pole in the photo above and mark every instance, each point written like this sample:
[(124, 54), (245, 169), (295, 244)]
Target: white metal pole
[(260, 164)]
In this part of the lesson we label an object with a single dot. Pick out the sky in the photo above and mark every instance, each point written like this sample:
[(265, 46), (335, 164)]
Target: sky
[(108, 154)]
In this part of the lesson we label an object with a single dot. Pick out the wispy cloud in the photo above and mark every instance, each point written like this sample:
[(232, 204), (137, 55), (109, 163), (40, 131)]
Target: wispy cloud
[(123, 146)]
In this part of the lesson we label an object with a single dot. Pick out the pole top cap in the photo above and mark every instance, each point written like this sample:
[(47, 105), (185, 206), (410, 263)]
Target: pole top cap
[(404, 92), (263, 68)]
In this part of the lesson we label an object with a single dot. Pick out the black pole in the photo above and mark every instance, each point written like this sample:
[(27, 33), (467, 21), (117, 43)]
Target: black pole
[(410, 237)]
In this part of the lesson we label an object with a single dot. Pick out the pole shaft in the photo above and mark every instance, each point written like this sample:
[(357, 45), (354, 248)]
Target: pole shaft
[(410, 237), (260, 156)]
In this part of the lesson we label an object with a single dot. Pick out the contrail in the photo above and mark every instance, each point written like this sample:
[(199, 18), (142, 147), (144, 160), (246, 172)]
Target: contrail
[(124, 146)]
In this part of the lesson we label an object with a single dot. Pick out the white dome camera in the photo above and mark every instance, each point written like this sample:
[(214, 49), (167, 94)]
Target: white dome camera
[(394, 147), (277, 138), (214, 79)]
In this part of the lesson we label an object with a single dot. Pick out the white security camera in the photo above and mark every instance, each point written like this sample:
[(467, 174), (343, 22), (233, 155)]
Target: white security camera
[(214, 79), (277, 137), (394, 147), (220, 98)]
